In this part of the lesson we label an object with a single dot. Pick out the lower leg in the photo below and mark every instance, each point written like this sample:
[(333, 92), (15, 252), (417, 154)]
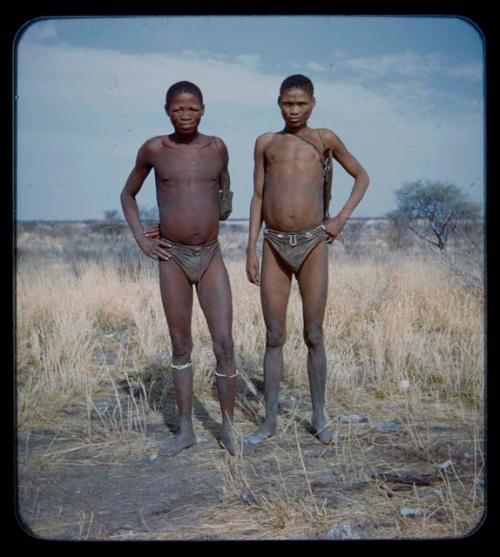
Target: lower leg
[(226, 381), (316, 369), (273, 372), (183, 383)]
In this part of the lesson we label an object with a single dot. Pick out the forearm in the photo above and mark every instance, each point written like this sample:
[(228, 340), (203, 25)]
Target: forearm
[(358, 191), (131, 213), (255, 222)]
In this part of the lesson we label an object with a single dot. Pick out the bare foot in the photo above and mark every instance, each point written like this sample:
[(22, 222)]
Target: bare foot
[(264, 432), (181, 442), (227, 441), (323, 433)]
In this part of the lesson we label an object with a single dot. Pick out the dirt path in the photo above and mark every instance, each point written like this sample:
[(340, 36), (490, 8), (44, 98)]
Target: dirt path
[(74, 500), (290, 487)]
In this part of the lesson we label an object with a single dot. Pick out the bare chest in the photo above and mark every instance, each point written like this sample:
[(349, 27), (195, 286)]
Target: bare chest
[(291, 151), (187, 163)]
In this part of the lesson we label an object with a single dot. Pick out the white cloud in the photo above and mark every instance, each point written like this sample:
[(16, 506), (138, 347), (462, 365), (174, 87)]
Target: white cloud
[(406, 64), (249, 60), (315, 67), (470, 72)]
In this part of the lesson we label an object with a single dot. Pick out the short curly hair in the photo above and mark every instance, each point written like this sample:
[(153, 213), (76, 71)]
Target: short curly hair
[(183, 87), (297, 81)]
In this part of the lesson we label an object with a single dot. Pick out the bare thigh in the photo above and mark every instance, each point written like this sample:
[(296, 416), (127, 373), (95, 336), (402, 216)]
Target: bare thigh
[(177, 299), (214, 294), (313, 285), (275, 283)]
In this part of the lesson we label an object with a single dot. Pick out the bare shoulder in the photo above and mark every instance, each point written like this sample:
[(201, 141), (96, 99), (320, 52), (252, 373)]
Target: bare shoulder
[(152, 145), (327, 135), (219, 143), (263, 140)]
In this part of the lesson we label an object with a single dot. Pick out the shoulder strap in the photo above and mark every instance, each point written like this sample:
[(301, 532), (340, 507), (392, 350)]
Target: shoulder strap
[(326, 165), (322, 159)]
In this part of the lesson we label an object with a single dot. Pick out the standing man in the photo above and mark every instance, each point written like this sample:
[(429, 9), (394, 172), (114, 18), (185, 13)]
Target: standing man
[(290, 176), (190, 170)]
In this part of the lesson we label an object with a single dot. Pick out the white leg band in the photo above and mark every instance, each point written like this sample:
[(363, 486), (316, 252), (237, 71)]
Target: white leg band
[(182, 366), (220, 374)]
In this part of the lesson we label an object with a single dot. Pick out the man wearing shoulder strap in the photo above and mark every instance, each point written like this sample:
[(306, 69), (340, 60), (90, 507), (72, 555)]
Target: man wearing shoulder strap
[(291, 196)]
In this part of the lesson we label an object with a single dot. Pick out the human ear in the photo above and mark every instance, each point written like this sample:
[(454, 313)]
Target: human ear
[(202, 109)]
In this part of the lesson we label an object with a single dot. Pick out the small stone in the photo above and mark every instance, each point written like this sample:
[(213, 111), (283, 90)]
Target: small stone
[(387, 426), (344, 532), (104, 408), (442, 427), (447, 465), (390, 405), (411, 513), (404, 385), (351, 418), (154, 456), (247, 498)]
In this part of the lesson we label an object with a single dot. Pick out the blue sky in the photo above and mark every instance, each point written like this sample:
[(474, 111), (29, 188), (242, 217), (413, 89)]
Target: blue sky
[(405, 94)]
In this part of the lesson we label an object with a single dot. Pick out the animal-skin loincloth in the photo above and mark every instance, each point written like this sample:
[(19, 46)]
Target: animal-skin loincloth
[(294, 247), (193, 260)]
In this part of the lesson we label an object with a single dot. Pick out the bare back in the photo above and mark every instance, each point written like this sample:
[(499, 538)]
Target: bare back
[(293, 183), (187, 184)]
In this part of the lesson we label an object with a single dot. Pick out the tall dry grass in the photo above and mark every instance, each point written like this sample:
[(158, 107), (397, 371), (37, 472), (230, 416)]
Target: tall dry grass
[(89, 314)]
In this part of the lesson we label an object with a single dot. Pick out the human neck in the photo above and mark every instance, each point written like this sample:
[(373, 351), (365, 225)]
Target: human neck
[(295, 129), (185, 138)]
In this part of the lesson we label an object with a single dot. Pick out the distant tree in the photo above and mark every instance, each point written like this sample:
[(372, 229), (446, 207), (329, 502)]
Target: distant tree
[(351, 233), (435, 209), (111, 215)]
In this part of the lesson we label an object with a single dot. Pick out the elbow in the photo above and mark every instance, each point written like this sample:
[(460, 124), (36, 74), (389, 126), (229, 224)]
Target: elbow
[(125, 197), (366, 179)]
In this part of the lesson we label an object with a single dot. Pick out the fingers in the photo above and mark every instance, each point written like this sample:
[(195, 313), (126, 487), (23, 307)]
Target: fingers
[(152, 232), (253, 276), (159, 253)]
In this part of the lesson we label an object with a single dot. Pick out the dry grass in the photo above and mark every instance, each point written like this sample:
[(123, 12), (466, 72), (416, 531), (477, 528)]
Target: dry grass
[(90, 320)]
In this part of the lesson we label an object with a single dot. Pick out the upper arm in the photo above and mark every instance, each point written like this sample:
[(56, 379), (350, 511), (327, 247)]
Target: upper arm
[(223, 152), (142, 167), (221, 147), (259, 163), (341, 154)]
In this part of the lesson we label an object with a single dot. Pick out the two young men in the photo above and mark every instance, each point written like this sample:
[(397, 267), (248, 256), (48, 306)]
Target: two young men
[(290, 174)]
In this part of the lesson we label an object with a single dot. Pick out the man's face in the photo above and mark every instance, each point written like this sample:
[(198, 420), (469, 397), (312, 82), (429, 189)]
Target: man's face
[(185, 112), (296, 107)]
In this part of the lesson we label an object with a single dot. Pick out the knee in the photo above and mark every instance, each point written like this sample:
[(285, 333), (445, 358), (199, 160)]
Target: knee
[(275, 337), (313, 335), (181, 347), (223, 349)]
